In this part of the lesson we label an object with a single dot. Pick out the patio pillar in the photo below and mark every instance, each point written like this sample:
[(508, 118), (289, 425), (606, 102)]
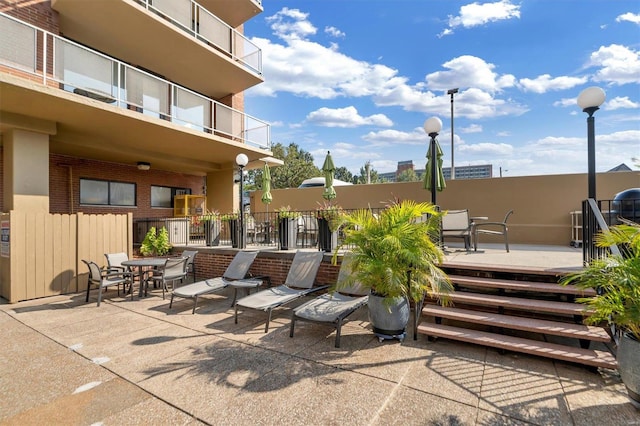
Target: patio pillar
[(26, 170), (222, 193)]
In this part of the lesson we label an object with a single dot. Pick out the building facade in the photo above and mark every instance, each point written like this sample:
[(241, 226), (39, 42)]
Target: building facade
[(482, 171), (117, 106)]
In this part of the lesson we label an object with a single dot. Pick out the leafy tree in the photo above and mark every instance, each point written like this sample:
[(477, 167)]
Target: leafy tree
[(373, 174), (408, 175), (343, 174), (298, 166)]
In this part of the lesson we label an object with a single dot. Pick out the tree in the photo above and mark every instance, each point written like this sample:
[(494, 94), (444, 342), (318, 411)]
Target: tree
[(343, 174), (373, 175), (298, 166), (408, 175)]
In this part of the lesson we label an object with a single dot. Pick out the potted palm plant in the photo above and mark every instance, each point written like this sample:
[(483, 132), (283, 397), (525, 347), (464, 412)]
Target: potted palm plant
[(616, 279), (287, 227), (394, 256)]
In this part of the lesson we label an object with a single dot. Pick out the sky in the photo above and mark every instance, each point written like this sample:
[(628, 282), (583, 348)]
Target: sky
[(360, 77)]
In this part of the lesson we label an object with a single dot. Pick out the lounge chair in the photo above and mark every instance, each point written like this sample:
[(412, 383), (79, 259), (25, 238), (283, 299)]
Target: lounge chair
[(299, 282), (333, 308), (237, 270)]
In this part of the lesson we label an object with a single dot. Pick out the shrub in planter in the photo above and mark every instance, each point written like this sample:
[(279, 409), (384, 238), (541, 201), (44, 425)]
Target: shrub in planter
[(395, 258), (616, 279), (287, 227), (156, 243)]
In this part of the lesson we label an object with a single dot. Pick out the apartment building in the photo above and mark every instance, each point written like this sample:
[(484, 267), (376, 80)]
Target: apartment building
[(115, 106), (481, 171)]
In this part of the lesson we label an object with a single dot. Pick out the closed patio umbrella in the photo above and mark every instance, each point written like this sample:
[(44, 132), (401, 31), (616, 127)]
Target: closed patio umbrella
[(266, 186), (439, 180), (328, 169)]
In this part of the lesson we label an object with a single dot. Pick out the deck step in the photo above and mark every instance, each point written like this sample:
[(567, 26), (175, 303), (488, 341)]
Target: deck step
[(518, 303), (578, 331), (530, 286), (590, 357)]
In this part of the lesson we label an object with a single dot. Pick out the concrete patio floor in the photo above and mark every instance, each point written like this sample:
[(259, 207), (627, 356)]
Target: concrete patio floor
[(68, 362)]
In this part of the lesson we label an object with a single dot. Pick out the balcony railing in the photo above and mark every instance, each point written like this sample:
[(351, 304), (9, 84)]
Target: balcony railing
[(204, 26), (75, 68)]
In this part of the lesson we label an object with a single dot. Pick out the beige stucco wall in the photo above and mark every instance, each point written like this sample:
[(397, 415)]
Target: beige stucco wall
[(541, 204)]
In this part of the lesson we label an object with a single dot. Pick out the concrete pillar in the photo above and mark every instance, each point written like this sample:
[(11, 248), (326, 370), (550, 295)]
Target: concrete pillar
[(222, 194), (26, 171)]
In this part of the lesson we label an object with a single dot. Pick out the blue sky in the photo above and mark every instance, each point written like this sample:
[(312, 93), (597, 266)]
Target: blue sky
[(360, 77)]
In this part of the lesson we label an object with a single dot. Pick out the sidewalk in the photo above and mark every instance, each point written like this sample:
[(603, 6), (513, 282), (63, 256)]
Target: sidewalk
[(137, 362)]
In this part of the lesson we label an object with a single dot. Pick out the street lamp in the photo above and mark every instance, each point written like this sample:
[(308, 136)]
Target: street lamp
[(453, 170), (432, 127), (590, 100), (241, 161)]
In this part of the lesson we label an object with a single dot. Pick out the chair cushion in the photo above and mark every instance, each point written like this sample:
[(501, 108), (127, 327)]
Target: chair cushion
[(329, 307), (201, 287)]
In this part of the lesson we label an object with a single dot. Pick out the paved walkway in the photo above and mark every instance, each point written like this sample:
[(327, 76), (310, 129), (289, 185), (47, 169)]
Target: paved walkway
[(64, 361)]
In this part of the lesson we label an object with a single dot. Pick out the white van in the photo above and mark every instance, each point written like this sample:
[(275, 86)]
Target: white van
[(319, 181)]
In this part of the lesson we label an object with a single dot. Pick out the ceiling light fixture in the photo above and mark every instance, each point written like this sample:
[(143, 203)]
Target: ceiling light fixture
[(143, 165)]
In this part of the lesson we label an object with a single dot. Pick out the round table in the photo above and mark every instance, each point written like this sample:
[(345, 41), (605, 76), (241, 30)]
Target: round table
[(144, 262)]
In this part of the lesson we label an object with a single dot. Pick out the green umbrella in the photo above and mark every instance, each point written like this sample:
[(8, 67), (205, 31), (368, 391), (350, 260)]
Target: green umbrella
[(440, 183), (266, 185), (328, 168)]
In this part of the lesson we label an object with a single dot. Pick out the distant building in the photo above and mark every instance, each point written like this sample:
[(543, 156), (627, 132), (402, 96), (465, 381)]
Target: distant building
[(462, 172), (620, 168)]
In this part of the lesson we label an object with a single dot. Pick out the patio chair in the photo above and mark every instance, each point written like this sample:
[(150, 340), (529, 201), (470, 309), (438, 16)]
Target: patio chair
[(191, 266), (237, 270), (299, 282), (174, 269), (114, 264), (456, 224), (333, 308), (103, 279), (495, 228)]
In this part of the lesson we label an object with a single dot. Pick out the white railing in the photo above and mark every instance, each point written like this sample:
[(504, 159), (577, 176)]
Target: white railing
[(88, 73), (203, 25)]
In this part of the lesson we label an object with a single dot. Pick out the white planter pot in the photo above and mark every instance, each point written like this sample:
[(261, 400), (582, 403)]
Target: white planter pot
[(389, 316)]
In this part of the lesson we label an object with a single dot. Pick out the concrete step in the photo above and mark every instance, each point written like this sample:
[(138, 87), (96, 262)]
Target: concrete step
[(590, 357), (530, 286), (517, 303), (558, 328)]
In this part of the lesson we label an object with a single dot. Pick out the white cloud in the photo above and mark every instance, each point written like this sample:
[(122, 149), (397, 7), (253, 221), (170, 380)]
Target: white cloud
[(334, 32), (291, 24), (545, 83), (618, 64), (629, 17), (619, 103), (469, 71), (473, 128), (475, 14), (346, 117), (486, 148), (394, 137)]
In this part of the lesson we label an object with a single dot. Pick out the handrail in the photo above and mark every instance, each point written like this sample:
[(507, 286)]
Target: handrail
[(593, 222), (208, 28), (92, 74)]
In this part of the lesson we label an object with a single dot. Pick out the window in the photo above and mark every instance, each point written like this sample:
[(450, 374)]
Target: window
[(162, 196), (106, 193)]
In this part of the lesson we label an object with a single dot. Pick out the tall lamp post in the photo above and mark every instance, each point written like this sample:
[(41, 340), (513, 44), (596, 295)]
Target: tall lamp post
[(432, 127), (590, 100), (453, 170), (241, 161)]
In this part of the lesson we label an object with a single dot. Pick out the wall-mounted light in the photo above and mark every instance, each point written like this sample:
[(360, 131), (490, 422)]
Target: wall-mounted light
[(143, 165)]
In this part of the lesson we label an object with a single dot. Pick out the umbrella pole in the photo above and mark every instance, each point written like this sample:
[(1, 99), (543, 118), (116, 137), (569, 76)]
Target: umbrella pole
[(433, 168)]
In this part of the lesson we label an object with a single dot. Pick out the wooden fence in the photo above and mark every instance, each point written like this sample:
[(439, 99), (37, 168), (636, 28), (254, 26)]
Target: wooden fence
[(40, 253)]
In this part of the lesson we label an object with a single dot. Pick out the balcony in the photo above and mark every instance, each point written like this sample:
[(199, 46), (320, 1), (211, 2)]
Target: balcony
[(177, 39), (241, 12), (88, 95)]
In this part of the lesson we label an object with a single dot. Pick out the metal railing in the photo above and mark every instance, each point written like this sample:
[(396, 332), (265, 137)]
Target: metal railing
[(594, 222), (86, 72), (204, 26)]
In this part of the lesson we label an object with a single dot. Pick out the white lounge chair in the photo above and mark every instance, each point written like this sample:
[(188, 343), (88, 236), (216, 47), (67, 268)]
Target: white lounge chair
[(237, 270), (334, 307), (299, 282)]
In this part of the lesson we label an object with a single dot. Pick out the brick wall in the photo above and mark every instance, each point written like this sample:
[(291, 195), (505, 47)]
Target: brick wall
[(65, 174), (35, 12), (213, 262)]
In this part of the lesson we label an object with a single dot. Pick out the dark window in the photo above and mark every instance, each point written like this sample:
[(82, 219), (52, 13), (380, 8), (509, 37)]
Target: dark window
[(106, 193), (162, 196)]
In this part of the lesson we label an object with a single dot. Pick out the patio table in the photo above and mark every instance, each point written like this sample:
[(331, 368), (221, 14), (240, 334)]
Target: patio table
[(145, 262)]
